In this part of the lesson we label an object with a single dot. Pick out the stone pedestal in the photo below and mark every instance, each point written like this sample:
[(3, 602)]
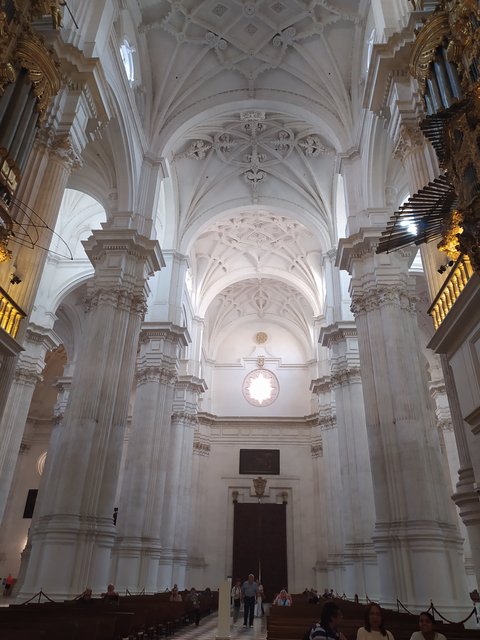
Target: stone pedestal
[(72, 540)]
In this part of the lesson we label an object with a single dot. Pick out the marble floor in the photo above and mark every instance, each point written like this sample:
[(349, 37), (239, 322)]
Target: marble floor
[(207, 630)]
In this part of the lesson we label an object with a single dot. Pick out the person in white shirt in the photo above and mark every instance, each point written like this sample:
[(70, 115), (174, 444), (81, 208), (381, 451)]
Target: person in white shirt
[(237, 598), (374, 627), (426, 622)]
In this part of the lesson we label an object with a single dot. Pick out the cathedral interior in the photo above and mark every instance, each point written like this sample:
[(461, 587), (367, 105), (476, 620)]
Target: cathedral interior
[(240, 296)]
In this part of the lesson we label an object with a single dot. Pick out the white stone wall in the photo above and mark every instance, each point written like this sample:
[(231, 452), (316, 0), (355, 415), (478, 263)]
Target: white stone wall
[(219, 477)]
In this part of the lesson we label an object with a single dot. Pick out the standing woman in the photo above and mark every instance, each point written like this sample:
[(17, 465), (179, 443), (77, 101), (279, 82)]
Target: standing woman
[(374, 627), (426, 622)]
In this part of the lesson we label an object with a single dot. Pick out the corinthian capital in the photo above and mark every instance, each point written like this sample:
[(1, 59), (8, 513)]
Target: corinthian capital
[(62, 148), (410, 139)]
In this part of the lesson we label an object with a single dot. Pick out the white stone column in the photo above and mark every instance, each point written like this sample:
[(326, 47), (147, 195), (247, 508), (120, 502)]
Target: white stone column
[(31, 362), (138, 549), (416, 538), (356, 490), (320, 506), (49, 167), (47, 482), (73, 537), (177, 519), (332, 517)]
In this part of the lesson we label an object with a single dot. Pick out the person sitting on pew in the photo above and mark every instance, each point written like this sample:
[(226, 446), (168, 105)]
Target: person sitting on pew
[(111, 597), (85, 597), (283, 599), (328, 627), (426, 622), (374, 627), (175, 596)]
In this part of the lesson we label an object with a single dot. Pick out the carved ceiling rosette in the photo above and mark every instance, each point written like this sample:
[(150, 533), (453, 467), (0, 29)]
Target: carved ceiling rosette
[(256, 143)]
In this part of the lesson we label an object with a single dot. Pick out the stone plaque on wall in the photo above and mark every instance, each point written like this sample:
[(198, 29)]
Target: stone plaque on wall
[(260, 461)]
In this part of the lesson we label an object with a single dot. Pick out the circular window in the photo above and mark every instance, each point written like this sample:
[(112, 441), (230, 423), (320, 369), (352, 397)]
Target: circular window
[(260, 387)]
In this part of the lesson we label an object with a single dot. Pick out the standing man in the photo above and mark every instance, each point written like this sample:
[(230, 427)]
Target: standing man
[(249, 593)]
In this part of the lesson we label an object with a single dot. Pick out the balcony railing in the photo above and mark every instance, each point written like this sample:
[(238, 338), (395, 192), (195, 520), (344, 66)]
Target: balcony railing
[(459, 275), (10, 314)]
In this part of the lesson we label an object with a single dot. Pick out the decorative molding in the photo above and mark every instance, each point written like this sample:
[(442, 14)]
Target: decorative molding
[(410, 139), (383, 296), (317, 449), (26, 376), (321, 385), (345, 376), (327, 422), (201, 447), (185, 418), (158, 374)]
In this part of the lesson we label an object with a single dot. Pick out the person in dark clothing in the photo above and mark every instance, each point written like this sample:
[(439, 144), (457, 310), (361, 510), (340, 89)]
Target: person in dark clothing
[(249, 595), (193, 604)]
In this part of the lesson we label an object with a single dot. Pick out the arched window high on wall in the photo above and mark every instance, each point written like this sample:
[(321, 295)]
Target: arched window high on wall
[(126, 52)]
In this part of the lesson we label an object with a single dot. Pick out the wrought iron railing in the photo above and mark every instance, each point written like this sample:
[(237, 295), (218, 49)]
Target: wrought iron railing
[(10, 314), (459, 275)]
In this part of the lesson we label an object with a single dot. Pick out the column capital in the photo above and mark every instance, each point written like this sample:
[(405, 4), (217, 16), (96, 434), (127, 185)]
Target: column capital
[(380, 296), (59, 146), (345, 375), (410, 139), (157, 374), (328, 422), (185, 418)]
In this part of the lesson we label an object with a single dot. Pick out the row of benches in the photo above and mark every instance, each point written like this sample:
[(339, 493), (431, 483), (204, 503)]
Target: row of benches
[(133, 617), (293, 623)]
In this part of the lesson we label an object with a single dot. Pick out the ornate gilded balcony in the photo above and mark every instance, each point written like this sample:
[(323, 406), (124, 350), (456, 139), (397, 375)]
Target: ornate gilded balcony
[(10, 314), (459, 275)]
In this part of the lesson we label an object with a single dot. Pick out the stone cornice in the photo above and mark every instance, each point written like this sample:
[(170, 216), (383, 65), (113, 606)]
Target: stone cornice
[(192, 383), (164, 331), (124, 241), (321, 385), (388, 59), (337, 332), (357, 246)]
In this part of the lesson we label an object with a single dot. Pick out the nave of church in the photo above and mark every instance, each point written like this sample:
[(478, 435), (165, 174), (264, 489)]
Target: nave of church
[(239, 297)]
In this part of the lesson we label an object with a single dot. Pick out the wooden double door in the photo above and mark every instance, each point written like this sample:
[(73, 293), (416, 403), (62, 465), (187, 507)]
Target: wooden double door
[(260, 545)]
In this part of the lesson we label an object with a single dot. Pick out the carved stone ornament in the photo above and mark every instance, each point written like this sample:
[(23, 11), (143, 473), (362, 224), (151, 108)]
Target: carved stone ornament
[(256, 143), (250, 37), (42, 71), (373, 300), (259, 485)]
